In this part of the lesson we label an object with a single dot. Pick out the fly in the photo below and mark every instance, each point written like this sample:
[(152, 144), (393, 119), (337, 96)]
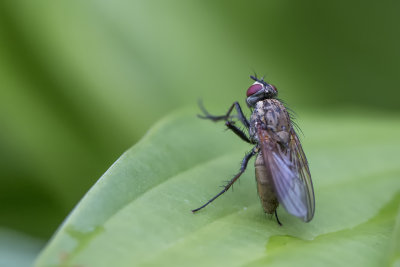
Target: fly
[(281, 167)]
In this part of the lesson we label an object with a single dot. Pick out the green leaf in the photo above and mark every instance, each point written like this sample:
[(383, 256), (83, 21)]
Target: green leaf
[(18, 249), (138, 213)]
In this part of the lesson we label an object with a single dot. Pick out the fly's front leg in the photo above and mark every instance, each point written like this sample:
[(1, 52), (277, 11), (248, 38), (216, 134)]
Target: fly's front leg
[(243, 167), (208, 116), (225, 117), (228, 122), (241, 116)]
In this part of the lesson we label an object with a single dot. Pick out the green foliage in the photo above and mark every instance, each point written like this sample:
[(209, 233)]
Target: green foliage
[(81, 81), (138, 213), (17, 250)]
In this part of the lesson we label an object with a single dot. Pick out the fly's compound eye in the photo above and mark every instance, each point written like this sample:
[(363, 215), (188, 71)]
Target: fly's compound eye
[(254, 89), (273, 87)]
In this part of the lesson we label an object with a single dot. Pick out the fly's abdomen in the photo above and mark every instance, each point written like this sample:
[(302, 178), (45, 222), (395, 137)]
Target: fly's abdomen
[(265, 187)]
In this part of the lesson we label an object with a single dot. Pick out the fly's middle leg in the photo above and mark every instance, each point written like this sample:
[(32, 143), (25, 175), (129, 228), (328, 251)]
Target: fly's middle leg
[(243, 167), (238, 132)]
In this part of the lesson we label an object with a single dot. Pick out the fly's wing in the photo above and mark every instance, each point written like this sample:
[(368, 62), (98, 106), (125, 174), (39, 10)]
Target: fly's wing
[(300, 161), (290, 174)]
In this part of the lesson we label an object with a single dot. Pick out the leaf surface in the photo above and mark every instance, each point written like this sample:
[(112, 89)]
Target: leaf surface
[(138, 213)]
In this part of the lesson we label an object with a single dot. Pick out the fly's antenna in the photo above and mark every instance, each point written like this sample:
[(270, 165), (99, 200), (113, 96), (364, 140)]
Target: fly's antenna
[(258, 80)]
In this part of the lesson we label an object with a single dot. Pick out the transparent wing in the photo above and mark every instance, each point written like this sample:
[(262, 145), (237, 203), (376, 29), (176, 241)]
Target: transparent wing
[(300, 161), (290, 174)]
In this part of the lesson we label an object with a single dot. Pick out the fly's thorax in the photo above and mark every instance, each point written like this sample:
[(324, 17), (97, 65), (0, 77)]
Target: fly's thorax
[(272, 115)]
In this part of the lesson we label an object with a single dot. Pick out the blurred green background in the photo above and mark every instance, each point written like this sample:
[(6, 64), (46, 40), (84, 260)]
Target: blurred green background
[(82, 81)]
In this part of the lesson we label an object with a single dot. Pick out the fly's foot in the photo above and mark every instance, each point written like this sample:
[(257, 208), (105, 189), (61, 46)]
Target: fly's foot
[(277, 219)]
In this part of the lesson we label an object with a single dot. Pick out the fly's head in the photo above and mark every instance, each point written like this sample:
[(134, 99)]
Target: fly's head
[(260, 90)]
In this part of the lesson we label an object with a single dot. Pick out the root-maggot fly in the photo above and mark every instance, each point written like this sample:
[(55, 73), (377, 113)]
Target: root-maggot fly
[(281, 167)]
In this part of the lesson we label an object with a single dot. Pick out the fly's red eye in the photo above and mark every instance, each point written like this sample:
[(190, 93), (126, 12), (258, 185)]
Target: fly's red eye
[(254, 89), (274, 88)]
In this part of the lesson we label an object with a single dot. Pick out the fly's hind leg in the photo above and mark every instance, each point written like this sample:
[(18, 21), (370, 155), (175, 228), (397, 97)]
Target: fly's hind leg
[(243, 166), (277, 219)]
